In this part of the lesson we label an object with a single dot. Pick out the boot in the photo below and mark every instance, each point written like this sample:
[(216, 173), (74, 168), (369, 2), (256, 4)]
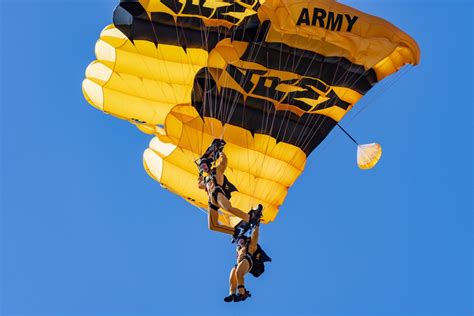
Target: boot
[(255, 215), (230, 298), (242, 297), (240, 229)]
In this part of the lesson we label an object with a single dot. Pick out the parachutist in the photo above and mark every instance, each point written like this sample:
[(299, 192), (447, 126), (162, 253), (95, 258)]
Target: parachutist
[(218, 188), (250, 258), (202, 67), (243, 227)]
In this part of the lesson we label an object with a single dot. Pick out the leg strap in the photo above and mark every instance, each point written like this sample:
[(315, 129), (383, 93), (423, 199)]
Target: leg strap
[(214, 207)]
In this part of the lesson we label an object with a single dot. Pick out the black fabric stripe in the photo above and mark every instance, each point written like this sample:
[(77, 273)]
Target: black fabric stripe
[(132, 20), (335, 71), (266, 87), (257, 115), (187, 32)]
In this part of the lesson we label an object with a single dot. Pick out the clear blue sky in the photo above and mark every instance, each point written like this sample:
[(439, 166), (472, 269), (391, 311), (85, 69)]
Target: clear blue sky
[(85, 231)]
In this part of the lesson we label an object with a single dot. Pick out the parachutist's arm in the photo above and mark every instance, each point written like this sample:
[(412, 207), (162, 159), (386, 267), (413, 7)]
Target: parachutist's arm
[(222, 163), (201, 184), (254, 239)]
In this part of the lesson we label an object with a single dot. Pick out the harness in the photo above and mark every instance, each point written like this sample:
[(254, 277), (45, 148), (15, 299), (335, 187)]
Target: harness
[(247, 257), (226, 189), (256, 260), (259, 257)]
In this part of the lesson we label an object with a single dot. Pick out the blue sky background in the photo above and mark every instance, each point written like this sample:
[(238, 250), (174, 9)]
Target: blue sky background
[(85, 231)]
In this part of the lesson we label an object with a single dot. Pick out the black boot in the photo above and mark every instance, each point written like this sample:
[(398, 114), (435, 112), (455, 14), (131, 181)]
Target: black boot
[(256, 215), (230, 298), (239, 230), (242, 297)]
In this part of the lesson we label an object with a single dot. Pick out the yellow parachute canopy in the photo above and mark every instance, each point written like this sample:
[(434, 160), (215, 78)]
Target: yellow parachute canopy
[(271, 78)]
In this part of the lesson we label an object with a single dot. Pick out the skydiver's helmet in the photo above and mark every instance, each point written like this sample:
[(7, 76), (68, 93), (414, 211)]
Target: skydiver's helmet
[(218, 144), (243, 241), (205, 165), (215, 149)]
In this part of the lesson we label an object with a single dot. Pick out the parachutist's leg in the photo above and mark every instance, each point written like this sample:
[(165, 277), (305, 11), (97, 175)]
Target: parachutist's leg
[(224, 203), (240, 271), (232, 281), (213, 223), (232, 287)]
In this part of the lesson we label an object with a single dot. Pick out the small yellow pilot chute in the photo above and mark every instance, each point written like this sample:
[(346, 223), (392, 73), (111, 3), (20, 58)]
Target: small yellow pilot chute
[(368, 155)]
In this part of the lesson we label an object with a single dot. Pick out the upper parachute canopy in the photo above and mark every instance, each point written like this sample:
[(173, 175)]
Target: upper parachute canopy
[(272, 78)]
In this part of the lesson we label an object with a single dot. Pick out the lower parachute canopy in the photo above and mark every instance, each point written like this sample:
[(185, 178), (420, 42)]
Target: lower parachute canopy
[(260, 168)]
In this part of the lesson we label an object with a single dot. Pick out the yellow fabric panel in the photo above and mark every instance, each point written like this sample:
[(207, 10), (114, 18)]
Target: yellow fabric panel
[(158, 6), (182, 182), (261, 169), (140, 81), (266, 190), (113, 36), (93, 94), (128, 106), (370, 40), (281, 161), (150, 129), (99, 72), (347, 94), (176, 54), (178, 180), (147, 129), (245, 203), (138, 86), (262, 165), (334, 112), (252, 166), (165, 149), (163, 169), (182, 158), (153, 68), (392, 63)]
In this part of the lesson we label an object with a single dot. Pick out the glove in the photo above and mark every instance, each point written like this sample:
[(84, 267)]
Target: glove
[(214, 150), (219, 143)]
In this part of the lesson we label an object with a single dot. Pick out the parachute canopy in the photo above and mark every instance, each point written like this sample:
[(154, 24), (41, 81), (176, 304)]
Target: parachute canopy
[(271, 78), (368, 155)]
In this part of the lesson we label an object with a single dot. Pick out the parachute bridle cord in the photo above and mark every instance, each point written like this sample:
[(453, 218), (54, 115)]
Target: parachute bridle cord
[(348, 135)]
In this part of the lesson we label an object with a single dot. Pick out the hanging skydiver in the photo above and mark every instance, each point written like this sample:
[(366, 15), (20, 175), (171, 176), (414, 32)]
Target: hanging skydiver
[(250, 258), (219, 189)]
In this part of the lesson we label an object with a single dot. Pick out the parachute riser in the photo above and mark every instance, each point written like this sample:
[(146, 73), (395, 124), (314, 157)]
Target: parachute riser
[(348, 135)]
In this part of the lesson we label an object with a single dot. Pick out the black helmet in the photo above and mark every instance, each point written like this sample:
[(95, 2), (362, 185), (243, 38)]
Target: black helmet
[(245, 238), (206, 161)]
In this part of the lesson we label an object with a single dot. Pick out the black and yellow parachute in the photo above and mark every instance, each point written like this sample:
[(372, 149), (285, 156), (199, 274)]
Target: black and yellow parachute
[(272, 78)]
